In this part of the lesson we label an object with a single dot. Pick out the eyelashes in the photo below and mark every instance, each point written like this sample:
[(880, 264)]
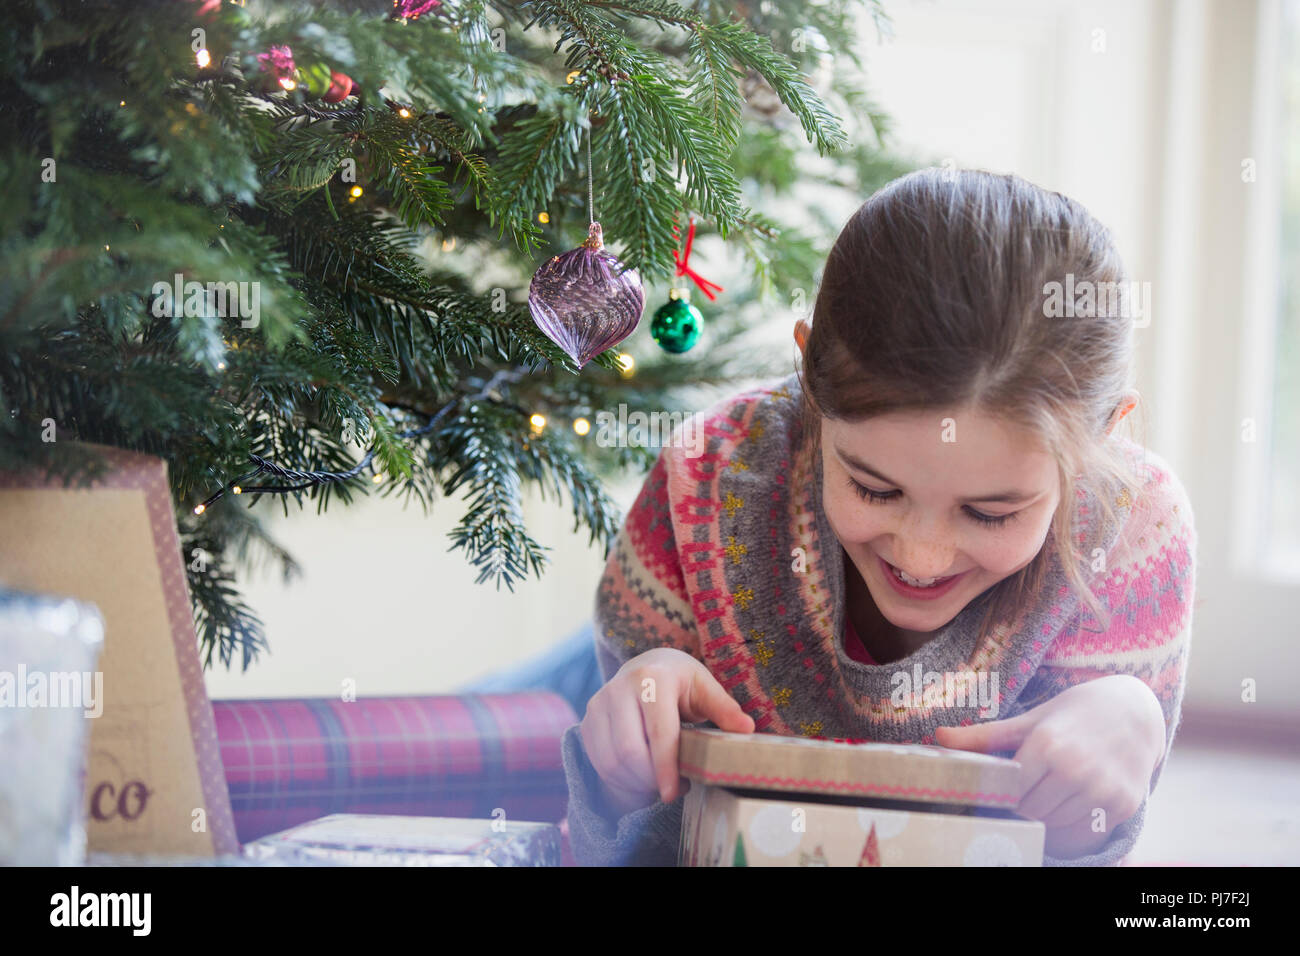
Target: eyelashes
[(876, 497)]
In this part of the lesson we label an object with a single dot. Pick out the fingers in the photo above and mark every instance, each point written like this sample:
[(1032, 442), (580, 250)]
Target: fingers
[(663, 726), (1046, 797), (596, 741), (614, 738), (701, 697), (631, 750), (1062, 788), (632, 731), (1071, 811), (1035, 765), (706, 699), (989, 737), (1075, 840)]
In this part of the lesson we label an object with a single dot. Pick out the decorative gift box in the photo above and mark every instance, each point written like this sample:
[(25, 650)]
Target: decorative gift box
[(153, 780), (382, 840), (769, 800)]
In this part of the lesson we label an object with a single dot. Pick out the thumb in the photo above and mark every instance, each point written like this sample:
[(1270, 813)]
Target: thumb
[(706, 699), (995, 735)]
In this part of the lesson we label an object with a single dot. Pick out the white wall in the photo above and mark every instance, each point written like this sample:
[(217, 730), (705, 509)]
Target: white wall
[(443, 629)]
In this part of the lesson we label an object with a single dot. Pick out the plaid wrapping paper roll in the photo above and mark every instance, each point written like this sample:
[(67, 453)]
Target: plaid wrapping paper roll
[(290, 761)]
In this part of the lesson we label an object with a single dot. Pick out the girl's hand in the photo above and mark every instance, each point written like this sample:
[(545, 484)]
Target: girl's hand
[(633, 723), (1093, 746)]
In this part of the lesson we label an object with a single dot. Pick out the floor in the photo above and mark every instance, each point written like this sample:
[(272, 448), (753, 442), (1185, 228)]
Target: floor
[(1225, 805)]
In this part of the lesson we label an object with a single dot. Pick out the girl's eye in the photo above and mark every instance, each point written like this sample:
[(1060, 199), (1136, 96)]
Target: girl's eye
[(992, 520), (866, 494)]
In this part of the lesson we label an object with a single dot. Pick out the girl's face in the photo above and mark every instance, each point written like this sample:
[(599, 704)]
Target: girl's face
[(955, 510)]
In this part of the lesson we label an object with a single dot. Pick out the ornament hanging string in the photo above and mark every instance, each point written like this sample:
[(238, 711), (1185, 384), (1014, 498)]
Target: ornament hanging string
[(585, 300), (684, 269), (591, 195)]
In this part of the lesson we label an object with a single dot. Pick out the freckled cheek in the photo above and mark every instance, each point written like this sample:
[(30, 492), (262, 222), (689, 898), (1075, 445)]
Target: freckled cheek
[(854, 522), (998, 558), (1004, 553)]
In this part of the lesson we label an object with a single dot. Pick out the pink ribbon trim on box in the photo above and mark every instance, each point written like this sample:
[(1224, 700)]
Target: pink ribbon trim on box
[(760, 780)]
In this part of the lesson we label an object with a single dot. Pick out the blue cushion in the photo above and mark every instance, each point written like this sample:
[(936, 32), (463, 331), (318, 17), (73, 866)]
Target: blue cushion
[(568, 669)]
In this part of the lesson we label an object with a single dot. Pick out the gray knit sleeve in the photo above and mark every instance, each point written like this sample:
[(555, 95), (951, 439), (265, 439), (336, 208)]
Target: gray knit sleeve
[(598, 836), (1113, 850)]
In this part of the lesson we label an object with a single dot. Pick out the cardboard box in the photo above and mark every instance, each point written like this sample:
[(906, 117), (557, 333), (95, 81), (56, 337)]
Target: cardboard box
[(768, 800), (154, 781)]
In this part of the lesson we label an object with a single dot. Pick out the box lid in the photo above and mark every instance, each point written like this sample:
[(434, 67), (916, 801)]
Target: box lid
[(911, 772)]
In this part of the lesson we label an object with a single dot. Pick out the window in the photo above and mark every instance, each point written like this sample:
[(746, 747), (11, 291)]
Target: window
[(1282, 526)]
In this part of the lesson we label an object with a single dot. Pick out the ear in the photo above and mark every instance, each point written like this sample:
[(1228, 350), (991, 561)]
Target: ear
[(1126, 405), (801, 330)]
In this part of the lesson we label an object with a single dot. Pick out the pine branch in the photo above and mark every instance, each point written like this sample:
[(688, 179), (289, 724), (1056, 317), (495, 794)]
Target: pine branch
[(363, 338), (821, 126), (225, 624), (488, 193), (413, 180), (482, 440)]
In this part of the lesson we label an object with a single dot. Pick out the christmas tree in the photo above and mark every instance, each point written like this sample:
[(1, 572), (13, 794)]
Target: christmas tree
[(287, 246)]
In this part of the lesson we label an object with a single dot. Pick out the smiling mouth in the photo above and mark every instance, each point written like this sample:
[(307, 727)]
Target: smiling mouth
[(918, 582)]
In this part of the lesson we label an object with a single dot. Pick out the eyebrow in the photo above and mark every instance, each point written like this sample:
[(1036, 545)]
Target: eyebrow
[(1009, 497)]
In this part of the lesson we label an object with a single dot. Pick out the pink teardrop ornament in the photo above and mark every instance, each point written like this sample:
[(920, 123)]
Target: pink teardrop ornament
[(585, 300)]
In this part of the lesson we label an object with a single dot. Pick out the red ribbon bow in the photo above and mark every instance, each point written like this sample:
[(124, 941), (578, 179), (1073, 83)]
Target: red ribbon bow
[(685, 270)]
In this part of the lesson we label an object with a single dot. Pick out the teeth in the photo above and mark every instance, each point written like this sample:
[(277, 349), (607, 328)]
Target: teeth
[(914, 582)]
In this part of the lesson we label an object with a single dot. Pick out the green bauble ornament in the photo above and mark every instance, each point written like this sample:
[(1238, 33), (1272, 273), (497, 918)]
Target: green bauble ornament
[(677, 324)]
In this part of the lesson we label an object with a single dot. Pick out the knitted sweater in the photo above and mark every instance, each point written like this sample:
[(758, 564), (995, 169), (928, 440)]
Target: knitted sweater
[(703, 563)]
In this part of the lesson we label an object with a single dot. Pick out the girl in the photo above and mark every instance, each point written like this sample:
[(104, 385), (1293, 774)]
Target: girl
[(940, 488)]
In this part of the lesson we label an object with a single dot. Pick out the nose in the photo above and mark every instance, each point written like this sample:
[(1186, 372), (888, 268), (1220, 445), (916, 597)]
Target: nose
[(924, 553)]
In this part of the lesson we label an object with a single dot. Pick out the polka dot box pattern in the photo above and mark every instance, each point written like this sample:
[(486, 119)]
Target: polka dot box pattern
[(767, 800)]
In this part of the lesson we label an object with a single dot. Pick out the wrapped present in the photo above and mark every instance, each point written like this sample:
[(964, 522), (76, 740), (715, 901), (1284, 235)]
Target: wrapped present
[(383, 840), (770, 800)]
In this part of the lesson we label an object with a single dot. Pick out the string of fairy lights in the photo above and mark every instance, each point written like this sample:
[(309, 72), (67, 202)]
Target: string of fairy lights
[(289, 480), (303, 480)]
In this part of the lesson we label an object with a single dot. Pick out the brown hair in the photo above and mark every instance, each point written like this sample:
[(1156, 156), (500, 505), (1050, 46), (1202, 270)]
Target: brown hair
[(935, 295)]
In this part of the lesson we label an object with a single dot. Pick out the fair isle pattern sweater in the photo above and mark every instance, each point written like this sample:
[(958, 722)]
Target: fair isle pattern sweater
[(705, 563)]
